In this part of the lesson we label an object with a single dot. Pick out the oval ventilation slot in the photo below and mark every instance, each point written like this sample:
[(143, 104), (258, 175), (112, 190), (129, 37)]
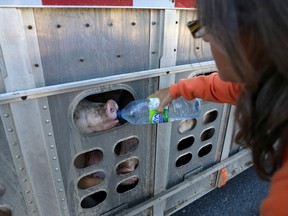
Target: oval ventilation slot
[(98, 112), (185, 143), (127, 184), (88, 159), (127, 166), (183, 160), (94, 199), (4, 211), (91, 180), (205, 150), (187, 125), (207, 134), (126, 146), (210, 116)]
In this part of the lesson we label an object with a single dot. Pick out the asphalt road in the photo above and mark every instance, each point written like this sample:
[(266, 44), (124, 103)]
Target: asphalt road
[(241, 196)]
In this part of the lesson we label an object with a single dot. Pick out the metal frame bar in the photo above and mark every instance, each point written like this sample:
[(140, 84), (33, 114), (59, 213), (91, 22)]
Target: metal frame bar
[(245, 153), (100, 7), (24, 95)]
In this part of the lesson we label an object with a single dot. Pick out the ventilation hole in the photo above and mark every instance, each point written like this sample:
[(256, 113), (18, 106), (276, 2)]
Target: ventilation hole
[(210, 116), (126, 146), (184, 159), (5, 211), (94, 199), (185, 143), (187, 125), (91, 180), (127, 166), (205, 150), (88, 159), (207, 134), (98, 112), (127, 184)]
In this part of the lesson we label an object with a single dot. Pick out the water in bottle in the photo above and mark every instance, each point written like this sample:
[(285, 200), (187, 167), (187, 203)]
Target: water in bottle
[(145, 111)]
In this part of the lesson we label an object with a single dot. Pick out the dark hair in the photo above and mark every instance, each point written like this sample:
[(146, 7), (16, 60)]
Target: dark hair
[(253, 34)]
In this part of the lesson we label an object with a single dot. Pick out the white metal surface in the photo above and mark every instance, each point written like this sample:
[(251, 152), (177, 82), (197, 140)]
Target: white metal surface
[(51, 58)]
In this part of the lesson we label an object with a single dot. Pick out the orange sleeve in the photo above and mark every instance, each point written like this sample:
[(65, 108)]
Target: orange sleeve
[(277, 200), (210, 88)]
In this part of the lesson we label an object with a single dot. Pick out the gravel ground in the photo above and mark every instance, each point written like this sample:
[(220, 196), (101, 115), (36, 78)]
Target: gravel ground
[(241, 196)]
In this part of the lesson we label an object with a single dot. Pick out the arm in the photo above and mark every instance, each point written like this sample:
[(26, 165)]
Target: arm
[(210, 88)]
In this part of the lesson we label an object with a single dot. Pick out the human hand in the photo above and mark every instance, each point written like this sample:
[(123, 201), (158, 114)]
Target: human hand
[(164, 97)]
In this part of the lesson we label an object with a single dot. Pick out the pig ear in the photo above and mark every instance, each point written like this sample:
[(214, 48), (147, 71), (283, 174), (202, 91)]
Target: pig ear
[(110, 108)]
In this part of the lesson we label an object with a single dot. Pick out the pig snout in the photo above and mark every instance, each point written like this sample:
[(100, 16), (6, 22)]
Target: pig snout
[(111, 109)]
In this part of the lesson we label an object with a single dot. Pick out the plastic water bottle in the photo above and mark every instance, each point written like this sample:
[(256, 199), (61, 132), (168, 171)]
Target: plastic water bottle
[(145, 111)]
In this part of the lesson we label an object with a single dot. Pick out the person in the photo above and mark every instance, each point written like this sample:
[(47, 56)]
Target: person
[(248, 41)]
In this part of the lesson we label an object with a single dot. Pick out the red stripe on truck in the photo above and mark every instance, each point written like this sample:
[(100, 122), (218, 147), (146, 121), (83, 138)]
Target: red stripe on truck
[(185, 3), (89, 2)]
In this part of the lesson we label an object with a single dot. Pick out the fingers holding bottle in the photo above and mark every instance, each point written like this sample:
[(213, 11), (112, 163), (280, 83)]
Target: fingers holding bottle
[(164, 97)]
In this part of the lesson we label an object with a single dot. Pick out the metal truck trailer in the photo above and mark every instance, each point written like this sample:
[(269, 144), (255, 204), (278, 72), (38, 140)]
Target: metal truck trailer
[(53, 54)]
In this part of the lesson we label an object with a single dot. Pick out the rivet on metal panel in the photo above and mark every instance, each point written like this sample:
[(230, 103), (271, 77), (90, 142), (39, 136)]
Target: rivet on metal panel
[(52, 146), (60, 190), (21, 168), (36, 65), (81, 60), (49, 134), (133, 23), (176, 22), (44, 107), (62, 199), (17, 156), (54, 158), (23, 97), (197, 48), (167, 72), (56, 169), (59, 180), (30, 27), (14, 144), (30, 202), (10, 129), (47, 121), (28, 192), (6, 115), (58, 26), (153, 23), (64, 208), (110, 24), (118, 56), (154, 52), (175, 50), (24, 180), (87, 25)]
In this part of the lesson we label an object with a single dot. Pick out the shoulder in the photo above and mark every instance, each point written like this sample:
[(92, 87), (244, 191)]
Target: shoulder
[(276, 202)]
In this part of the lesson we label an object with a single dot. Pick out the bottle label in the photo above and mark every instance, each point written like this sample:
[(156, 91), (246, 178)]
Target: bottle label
[(154, 116)]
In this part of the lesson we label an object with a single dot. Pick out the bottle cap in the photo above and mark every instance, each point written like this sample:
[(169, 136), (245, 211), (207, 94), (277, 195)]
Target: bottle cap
[(119, 116)]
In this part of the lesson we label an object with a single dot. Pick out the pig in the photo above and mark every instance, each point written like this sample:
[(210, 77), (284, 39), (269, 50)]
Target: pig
[(94, 157), (129, 165), (186, 125), (91, 158), (90, 117)]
